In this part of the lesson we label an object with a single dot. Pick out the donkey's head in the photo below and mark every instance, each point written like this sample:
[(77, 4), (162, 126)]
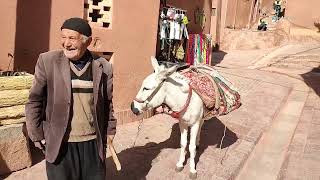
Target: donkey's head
[(152, 92)]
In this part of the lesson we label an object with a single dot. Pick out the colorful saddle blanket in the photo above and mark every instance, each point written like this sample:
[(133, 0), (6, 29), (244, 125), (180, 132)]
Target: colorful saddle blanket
[(218, 95)]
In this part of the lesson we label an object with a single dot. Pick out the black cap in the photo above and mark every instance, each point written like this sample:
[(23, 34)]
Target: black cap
[(77, 24)]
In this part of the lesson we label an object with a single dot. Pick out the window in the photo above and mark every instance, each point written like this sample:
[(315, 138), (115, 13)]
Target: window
[(98, 12)]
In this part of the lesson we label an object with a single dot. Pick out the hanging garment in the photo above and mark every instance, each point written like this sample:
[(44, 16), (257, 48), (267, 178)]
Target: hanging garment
[(180, 51), (177, 27), (172, 30), (170, 13), (182, 26), (183, 30), (163, 25), (185, 19), (162, 15), (186, 32), (162, 44)]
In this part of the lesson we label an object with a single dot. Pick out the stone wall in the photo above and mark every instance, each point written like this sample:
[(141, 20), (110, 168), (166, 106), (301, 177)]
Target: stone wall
[(14, 149), (249, 40)]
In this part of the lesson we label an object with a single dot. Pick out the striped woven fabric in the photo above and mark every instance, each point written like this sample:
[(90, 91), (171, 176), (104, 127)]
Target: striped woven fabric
[(219, 96), (199, 49), (202, 85)]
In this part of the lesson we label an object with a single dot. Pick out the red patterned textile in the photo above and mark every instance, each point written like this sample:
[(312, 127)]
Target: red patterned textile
[(203, 87), (218, 95)]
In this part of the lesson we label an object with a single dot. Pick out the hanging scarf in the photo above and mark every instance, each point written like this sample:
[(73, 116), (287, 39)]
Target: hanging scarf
[(190, 51), (204, 48), (199, 49), (198, 52), (209, 39)]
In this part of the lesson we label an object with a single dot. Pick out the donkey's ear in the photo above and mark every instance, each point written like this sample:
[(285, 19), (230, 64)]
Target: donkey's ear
[(155, 64), (172, 70), (164, 74)]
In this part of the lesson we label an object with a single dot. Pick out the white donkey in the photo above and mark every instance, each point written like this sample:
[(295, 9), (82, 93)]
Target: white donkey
[(169, 87)]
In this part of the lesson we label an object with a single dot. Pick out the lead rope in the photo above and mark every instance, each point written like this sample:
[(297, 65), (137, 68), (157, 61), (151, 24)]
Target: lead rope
[(224, 134), (221, 141), (138, 132)]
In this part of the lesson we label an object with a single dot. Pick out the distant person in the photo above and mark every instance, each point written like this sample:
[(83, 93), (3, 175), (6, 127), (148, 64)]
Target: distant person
[(277, 8), (263, 25), (70, 111)]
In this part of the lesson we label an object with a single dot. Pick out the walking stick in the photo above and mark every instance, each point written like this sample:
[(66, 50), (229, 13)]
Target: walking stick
[(113, 154)]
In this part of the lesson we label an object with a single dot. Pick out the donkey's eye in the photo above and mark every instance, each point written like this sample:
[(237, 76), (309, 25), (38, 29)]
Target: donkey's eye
[(146, 89)]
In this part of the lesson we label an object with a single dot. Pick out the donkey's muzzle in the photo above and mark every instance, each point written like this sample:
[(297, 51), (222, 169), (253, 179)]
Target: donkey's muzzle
[(134, 110)]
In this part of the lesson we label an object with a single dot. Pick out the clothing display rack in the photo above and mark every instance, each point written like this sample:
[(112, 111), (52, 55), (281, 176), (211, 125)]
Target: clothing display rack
[(172, 34)]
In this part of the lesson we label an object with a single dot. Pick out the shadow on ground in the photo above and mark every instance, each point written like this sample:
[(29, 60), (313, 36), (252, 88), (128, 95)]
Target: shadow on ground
[(4, 168), (36, 154), (136, 162), (312, 79), (217, 57)]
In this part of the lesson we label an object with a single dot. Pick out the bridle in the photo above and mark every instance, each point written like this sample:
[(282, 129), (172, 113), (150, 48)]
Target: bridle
[(174, 114), (178, 114), (149, 98)]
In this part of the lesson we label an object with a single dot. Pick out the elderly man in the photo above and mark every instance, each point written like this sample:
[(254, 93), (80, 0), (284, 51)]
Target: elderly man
[(70, 111)]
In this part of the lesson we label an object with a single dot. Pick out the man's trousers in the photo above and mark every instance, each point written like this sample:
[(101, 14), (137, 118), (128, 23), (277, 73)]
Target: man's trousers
[(77, 161)]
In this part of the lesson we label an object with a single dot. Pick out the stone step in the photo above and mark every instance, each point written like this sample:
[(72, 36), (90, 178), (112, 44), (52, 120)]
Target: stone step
[(301, 60), (290, 53), (302, 161), (292, 65), (251, 39), (294, 73), (14, 149), (266, 160), (303, 63)]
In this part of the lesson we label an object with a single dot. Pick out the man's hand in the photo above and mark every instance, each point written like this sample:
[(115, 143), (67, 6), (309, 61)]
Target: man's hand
[(40, 144)]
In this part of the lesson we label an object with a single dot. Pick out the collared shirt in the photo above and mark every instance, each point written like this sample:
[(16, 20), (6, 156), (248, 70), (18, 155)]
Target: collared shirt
[(80, 63)]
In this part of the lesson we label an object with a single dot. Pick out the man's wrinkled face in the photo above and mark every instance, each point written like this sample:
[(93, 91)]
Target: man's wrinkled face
[(74, 44)]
